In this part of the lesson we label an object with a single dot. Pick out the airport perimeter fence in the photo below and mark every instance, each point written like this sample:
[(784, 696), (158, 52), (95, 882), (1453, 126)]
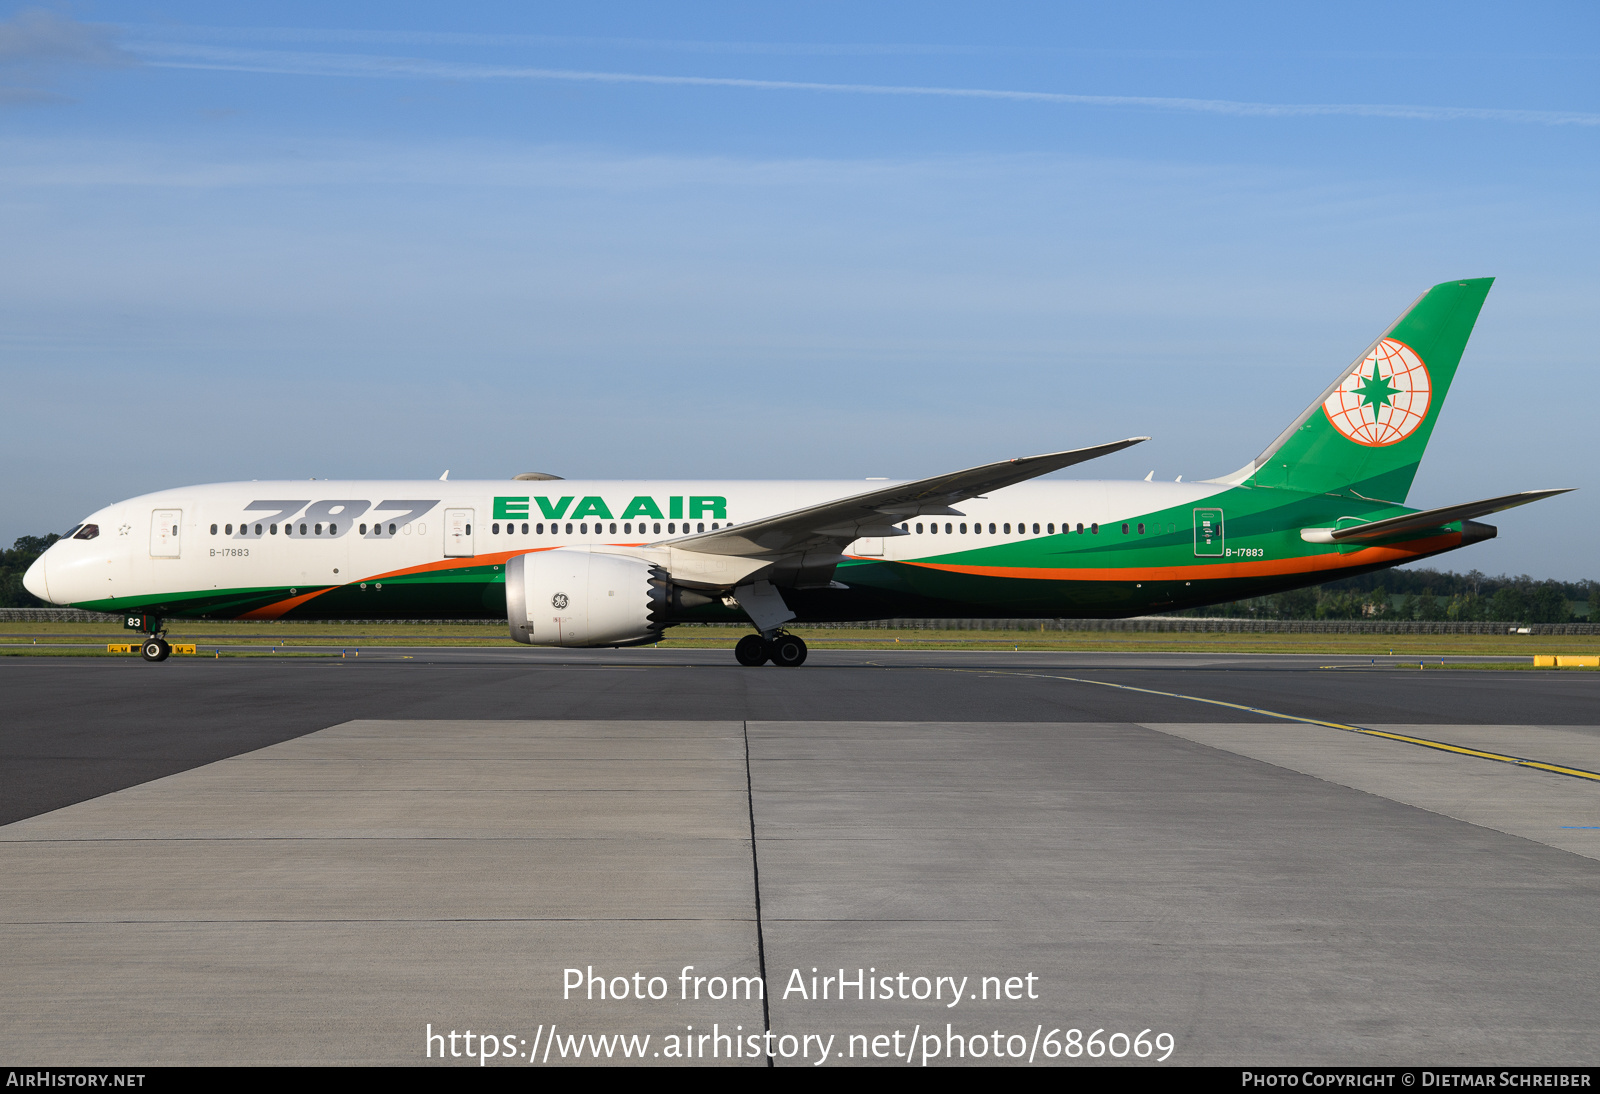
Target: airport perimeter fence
[(1158, 624)]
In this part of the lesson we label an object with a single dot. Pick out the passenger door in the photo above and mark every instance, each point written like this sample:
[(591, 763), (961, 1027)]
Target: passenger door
[(458, 533), (165, 541), (1208, 533)]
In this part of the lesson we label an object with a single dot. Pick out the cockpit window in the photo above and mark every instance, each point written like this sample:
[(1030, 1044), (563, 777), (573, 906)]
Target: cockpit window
[(68, 533), (87, 531)]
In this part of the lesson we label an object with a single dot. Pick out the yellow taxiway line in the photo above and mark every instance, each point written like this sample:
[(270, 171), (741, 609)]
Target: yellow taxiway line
[(1422, 742)]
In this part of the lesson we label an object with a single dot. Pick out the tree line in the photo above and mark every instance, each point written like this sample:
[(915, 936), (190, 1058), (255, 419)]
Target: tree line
[(1430, 596), (14, 563)]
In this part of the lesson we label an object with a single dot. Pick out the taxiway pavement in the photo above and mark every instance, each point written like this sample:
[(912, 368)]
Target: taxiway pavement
[(313, 861)]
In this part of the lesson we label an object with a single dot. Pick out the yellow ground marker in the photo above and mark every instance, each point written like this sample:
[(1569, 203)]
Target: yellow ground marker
[(135, 647), (1422, 742), (1566, 661)]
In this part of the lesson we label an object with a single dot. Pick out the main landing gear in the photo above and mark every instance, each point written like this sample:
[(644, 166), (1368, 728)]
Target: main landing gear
[(155, 648), (782, 649)]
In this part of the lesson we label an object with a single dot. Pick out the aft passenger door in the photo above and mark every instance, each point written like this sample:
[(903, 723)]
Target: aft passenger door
[(1208, 533), (458, 533), (164, 534)]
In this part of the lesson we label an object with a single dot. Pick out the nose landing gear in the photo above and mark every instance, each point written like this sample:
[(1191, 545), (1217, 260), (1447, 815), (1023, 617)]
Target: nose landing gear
[(784, 649), (152, 647)]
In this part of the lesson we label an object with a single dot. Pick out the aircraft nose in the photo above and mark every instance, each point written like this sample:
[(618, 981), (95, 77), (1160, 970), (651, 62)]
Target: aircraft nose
[(34, 580)]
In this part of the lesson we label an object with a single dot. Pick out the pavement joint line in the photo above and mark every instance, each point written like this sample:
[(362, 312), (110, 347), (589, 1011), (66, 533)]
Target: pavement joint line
[(1422, 742), (755, 874)]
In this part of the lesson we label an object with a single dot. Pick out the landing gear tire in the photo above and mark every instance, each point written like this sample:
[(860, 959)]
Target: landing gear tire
[(155, 649), (787, 650), (751, 651)]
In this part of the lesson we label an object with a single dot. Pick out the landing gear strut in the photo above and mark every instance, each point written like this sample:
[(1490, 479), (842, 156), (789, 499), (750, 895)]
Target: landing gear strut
[(782, 649)]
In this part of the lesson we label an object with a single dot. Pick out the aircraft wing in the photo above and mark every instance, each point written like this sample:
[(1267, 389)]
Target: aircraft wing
[(1428, 518), (833, 524)]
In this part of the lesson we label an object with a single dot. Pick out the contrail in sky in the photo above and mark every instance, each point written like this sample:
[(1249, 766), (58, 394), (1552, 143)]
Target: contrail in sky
[(162, 55)]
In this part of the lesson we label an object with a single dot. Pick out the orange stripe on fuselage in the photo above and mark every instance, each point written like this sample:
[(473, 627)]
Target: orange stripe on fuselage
[(279, 608), (1306, 564)]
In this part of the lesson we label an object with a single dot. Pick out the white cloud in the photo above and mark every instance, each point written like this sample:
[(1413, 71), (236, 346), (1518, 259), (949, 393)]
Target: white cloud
[(275, 62), (36, 45)]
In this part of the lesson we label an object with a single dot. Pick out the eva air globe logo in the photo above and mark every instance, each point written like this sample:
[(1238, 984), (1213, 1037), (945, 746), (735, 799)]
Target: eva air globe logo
[(1384, 399)]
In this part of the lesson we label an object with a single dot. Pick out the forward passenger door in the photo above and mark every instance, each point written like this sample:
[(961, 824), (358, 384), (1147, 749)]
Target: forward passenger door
[(165, 541), (458, 533)]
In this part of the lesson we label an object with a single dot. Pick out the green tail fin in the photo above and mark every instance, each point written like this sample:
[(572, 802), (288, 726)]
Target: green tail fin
[(1365, 435)]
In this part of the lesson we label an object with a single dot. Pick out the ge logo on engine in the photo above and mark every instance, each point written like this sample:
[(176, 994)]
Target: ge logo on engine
[(559, 601)]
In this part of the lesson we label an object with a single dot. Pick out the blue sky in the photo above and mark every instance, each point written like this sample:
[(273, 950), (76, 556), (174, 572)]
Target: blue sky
[(257, 241)]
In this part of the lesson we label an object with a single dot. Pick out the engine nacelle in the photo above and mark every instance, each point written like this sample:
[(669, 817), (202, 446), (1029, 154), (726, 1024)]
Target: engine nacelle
[(571, 597)]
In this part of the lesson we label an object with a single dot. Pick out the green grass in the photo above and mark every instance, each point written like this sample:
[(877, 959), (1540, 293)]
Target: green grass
[(287, 636)]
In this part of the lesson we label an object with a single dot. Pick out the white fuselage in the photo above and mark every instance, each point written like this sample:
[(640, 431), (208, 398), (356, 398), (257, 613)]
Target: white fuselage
[(333, 532)]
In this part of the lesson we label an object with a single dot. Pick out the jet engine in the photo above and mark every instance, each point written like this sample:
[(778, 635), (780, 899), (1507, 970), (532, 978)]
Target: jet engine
[(578, 598)]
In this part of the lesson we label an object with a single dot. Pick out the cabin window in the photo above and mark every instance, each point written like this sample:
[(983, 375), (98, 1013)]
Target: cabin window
[(672, 529), (583, 529), (1035, 529), (947, 527), (333, 529), (1080, 528), (1050, 529), (318, 529), (494, 529), (302, 529), (213, 529), (699, 527), (919, 529), (569, 529), (1124, 529), (363, 529), (714, 526), (258, 529), (1141, 529), (963, 529), (1094, 529), (228, 529), (1008, 529)]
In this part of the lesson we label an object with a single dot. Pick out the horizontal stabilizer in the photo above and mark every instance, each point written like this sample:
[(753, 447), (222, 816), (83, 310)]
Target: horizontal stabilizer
[(1428, 518)]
